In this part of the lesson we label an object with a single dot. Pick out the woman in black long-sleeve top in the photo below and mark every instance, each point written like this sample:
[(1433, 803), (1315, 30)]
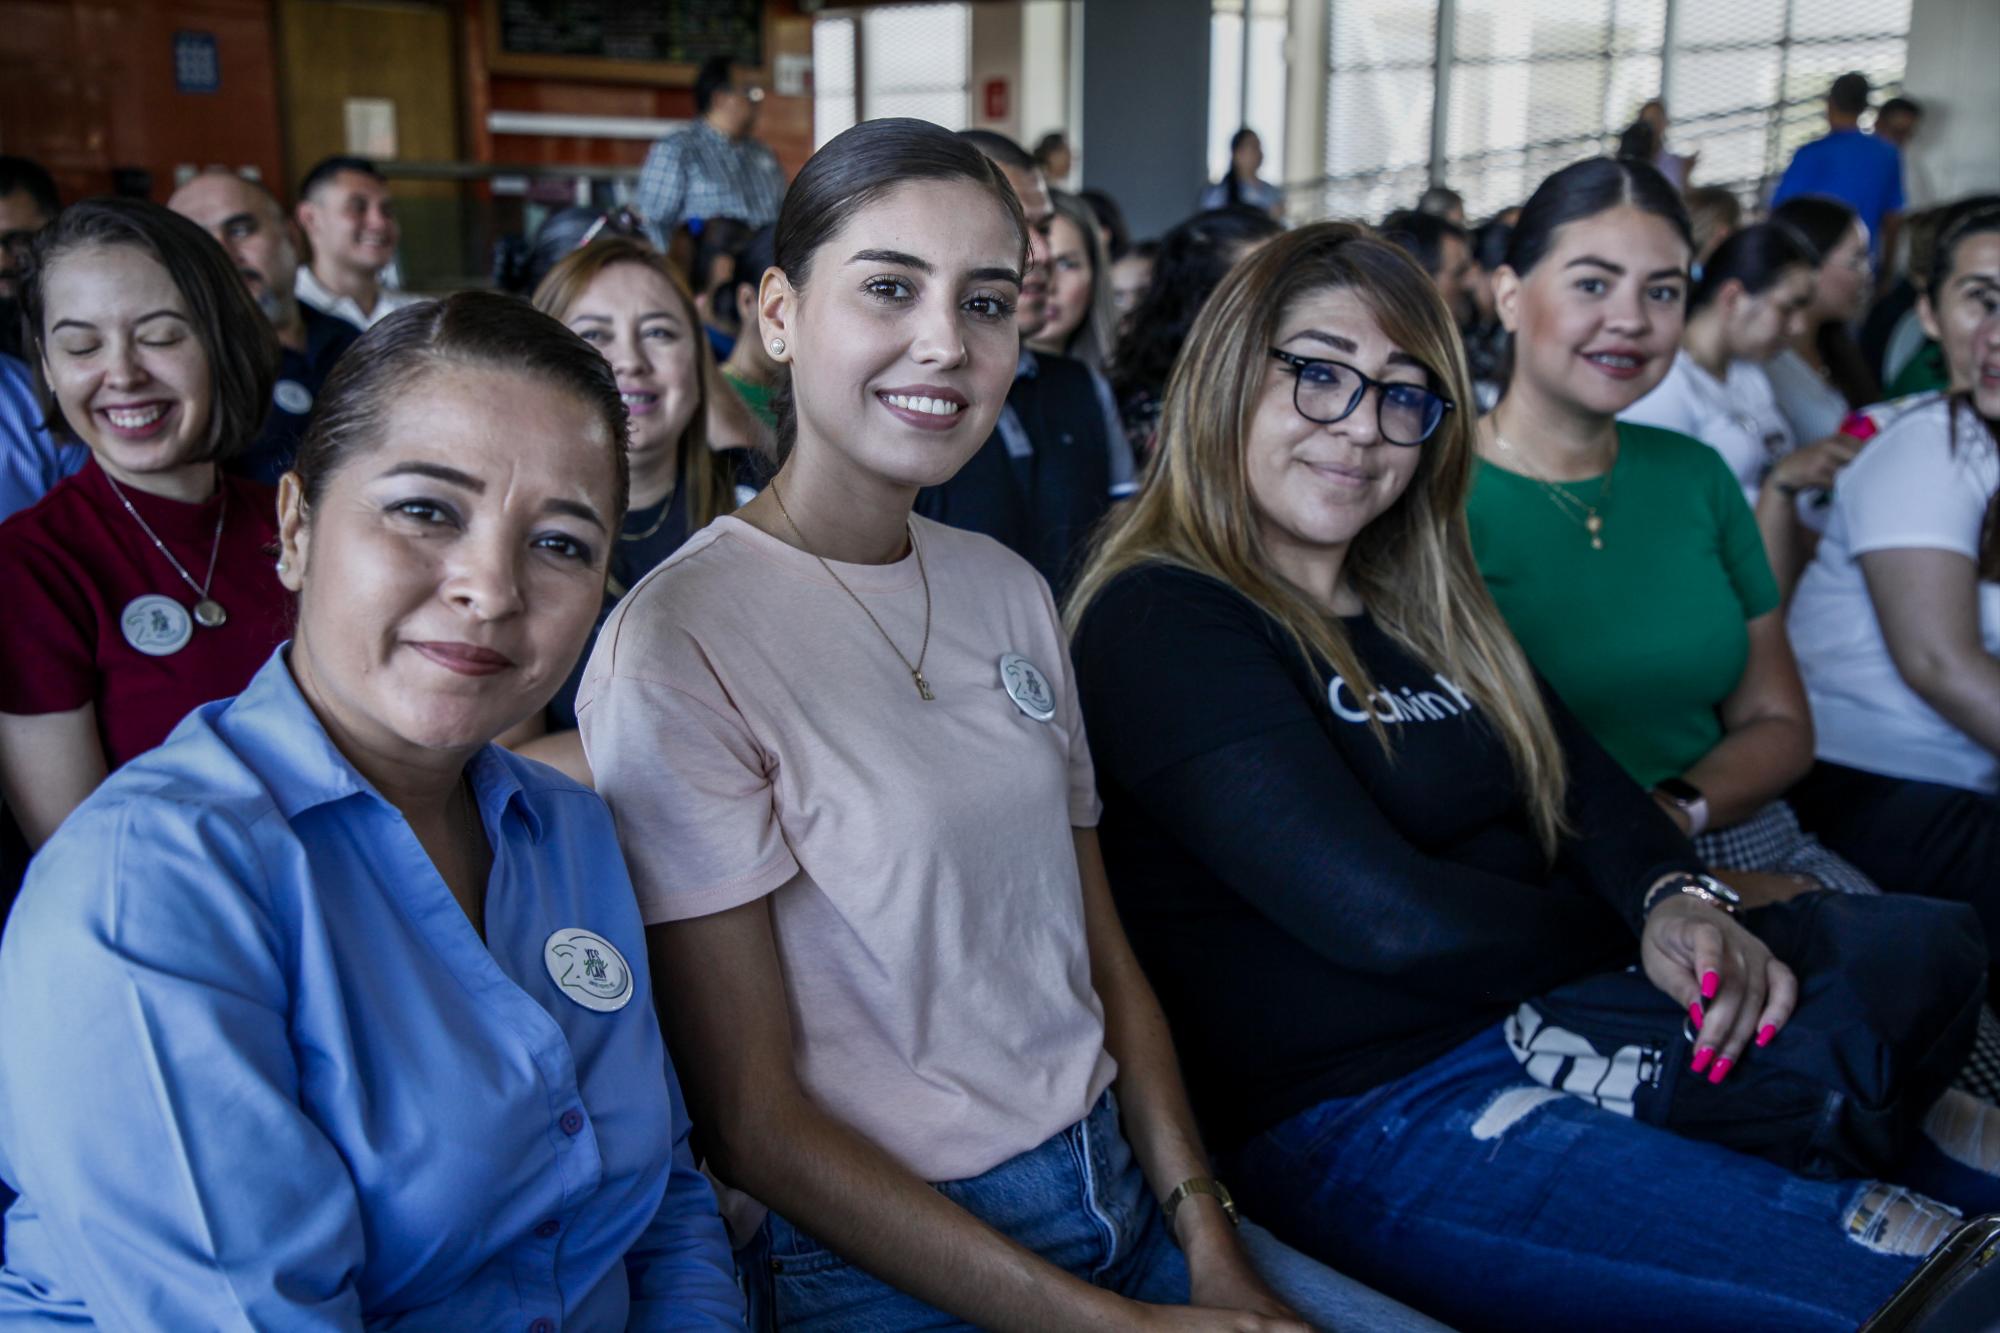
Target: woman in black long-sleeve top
[(1350, 833)]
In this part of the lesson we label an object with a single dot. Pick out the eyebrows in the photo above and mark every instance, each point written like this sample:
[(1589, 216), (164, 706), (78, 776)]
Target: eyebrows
[(1619, 270), (452, 476), (594, 317), (1342, 343), (903, 259), (149, 316)]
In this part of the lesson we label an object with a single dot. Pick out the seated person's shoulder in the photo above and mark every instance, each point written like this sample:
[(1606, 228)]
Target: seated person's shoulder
[(1158, 600)]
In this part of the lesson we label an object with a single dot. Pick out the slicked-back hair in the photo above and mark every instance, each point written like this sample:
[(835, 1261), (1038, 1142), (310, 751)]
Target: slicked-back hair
[(484, 330), (235, 337), (1585, 189), (1000, 148), (854, 169)]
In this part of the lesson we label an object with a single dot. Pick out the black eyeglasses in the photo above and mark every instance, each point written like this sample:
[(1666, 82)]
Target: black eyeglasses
[(1328, 391)]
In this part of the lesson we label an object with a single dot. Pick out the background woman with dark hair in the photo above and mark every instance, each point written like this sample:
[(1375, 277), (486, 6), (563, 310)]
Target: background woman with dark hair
[(1192, 259), (1240, 186), (843, 747), (1897, 620), (329, 1012), (1746, 307), (1082, 322), (1822, 376), (141, 586)]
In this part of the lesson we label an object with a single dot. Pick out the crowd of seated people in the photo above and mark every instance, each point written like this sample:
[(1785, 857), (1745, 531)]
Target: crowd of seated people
[(932, 764)]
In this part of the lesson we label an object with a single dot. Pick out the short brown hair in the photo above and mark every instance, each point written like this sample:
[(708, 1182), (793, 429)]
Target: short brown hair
[(483, 329), (711, 490), (242, 350)]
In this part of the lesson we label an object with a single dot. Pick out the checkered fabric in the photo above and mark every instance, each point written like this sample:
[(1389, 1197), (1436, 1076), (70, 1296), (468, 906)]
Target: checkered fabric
[(1772, 841), (703, 173)]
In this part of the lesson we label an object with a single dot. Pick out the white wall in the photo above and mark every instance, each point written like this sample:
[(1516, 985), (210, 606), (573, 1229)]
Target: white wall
[(1951, 71)]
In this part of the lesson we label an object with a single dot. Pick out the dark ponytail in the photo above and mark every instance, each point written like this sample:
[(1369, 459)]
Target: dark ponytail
[(1755, 258)]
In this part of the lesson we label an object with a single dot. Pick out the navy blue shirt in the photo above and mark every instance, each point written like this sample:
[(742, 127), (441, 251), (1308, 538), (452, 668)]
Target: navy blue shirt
[(300, 375)]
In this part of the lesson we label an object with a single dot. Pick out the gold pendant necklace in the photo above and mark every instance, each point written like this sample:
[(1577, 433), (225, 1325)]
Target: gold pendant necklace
[(1576, 508), (916, 668)]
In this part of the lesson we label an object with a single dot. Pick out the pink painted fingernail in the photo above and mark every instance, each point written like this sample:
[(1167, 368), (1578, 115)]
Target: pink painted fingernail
[(1711, 982), (1694, 1015), (1721, 1070), (1701, 1058), (1765, 1033)]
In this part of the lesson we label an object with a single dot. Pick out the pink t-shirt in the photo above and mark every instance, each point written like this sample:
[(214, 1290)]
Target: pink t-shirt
[(755, 735)]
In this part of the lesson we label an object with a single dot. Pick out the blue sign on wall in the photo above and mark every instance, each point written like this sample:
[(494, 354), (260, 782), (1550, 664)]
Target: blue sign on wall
[(197, 66)]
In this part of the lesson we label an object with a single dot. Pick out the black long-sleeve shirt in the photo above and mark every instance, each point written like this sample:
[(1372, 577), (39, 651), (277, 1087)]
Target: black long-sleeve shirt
[(1319, 916)]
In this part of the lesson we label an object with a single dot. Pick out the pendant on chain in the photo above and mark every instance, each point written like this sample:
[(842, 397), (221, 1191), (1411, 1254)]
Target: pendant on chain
[(923, 686), (208, 613), (1595, 527)]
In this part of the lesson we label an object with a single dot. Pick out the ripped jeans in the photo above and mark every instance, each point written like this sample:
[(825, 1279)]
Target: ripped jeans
[(1492, 1203)]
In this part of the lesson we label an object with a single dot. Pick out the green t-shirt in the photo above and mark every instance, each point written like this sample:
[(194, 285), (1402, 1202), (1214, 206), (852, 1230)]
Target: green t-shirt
[(1922, 373), (1645, 638), (756, 395)]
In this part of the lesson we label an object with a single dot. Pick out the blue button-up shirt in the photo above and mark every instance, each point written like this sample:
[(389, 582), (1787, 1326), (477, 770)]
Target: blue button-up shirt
[(257, 1069), (31, 461)]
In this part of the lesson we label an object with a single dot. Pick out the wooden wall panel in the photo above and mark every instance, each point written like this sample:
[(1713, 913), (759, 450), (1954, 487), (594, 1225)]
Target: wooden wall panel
[(87, 86)]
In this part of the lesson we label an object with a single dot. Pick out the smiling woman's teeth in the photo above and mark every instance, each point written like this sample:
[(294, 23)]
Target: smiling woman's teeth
[(937, 407), (135, 418), (634, 399), (1609, 359)]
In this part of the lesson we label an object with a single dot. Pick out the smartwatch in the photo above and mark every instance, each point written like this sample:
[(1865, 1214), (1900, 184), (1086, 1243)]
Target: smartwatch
[(1687, 798)]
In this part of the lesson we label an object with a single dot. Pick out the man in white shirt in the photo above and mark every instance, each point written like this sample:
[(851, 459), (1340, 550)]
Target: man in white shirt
[(348, 218)]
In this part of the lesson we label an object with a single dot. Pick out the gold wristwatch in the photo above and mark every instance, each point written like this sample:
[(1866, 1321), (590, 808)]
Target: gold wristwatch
[(1208, 1185)]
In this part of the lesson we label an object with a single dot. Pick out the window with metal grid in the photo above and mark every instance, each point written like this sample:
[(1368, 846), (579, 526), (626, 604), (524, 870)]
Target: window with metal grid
[(1381, 80), (902, 60), (1521, 87)]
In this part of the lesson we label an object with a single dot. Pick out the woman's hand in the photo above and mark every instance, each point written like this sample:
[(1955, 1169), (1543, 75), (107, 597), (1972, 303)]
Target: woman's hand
[(1734, 990), (1813, 467)]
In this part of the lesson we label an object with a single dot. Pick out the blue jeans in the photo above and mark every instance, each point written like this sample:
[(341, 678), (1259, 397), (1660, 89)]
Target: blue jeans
[(1494, 1204), (1081, 1202)]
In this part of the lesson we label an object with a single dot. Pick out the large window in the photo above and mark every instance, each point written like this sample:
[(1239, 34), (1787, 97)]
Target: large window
[(900, 60), (1489, 96)]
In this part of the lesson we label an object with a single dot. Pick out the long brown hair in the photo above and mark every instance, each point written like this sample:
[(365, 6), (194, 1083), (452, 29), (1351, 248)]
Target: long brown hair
[(711, 491), (1412, 566)]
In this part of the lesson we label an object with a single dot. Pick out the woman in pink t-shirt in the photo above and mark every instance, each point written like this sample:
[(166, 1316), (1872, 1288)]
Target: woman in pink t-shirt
[(844, 750)]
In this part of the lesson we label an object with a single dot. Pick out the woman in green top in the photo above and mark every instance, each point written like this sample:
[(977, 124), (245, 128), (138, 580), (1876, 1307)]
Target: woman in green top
[(1625, 557), (750, 369)]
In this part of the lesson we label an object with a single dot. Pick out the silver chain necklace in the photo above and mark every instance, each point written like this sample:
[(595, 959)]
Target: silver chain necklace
[(208, 612)]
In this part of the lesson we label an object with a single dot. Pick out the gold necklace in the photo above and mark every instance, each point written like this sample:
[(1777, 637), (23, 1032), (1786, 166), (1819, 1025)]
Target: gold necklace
[(1574, 507), (916, 668)]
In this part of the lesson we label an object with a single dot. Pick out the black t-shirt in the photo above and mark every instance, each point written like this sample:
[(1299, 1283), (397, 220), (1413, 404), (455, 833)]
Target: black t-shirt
[(1318, 915)]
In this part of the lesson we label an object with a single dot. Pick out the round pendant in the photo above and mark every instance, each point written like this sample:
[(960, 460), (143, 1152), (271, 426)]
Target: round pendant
[(208, 613)]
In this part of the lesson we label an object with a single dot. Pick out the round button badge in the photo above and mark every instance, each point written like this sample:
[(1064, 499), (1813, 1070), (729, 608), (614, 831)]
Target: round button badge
[(1028, 687), (156, 625), (589, 969), (293, 397)]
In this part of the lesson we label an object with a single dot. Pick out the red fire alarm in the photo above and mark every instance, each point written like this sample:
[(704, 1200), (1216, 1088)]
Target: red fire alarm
[(996, 99)]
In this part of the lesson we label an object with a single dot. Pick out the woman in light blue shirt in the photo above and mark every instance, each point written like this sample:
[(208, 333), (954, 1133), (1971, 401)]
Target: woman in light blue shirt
[(329, 1013)]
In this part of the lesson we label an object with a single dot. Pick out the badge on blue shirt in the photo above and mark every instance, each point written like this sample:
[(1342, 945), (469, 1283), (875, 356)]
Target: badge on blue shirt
[(589, 969)]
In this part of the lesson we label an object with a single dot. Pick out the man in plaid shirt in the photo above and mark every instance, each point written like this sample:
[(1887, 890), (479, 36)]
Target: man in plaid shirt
[(712, 169)]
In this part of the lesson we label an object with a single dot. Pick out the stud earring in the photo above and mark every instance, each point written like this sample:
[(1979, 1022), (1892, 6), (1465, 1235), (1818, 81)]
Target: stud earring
[(777, 347), (282, 567)]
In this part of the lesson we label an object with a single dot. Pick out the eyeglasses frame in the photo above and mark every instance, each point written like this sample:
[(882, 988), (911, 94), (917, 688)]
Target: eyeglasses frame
[(1299, 363)]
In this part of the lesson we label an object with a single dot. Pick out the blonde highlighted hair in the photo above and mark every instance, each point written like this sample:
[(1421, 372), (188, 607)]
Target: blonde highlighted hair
[(711, 490), (1412, 567)]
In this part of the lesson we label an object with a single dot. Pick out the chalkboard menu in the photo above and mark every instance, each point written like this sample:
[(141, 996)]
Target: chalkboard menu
[(627, 32)]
